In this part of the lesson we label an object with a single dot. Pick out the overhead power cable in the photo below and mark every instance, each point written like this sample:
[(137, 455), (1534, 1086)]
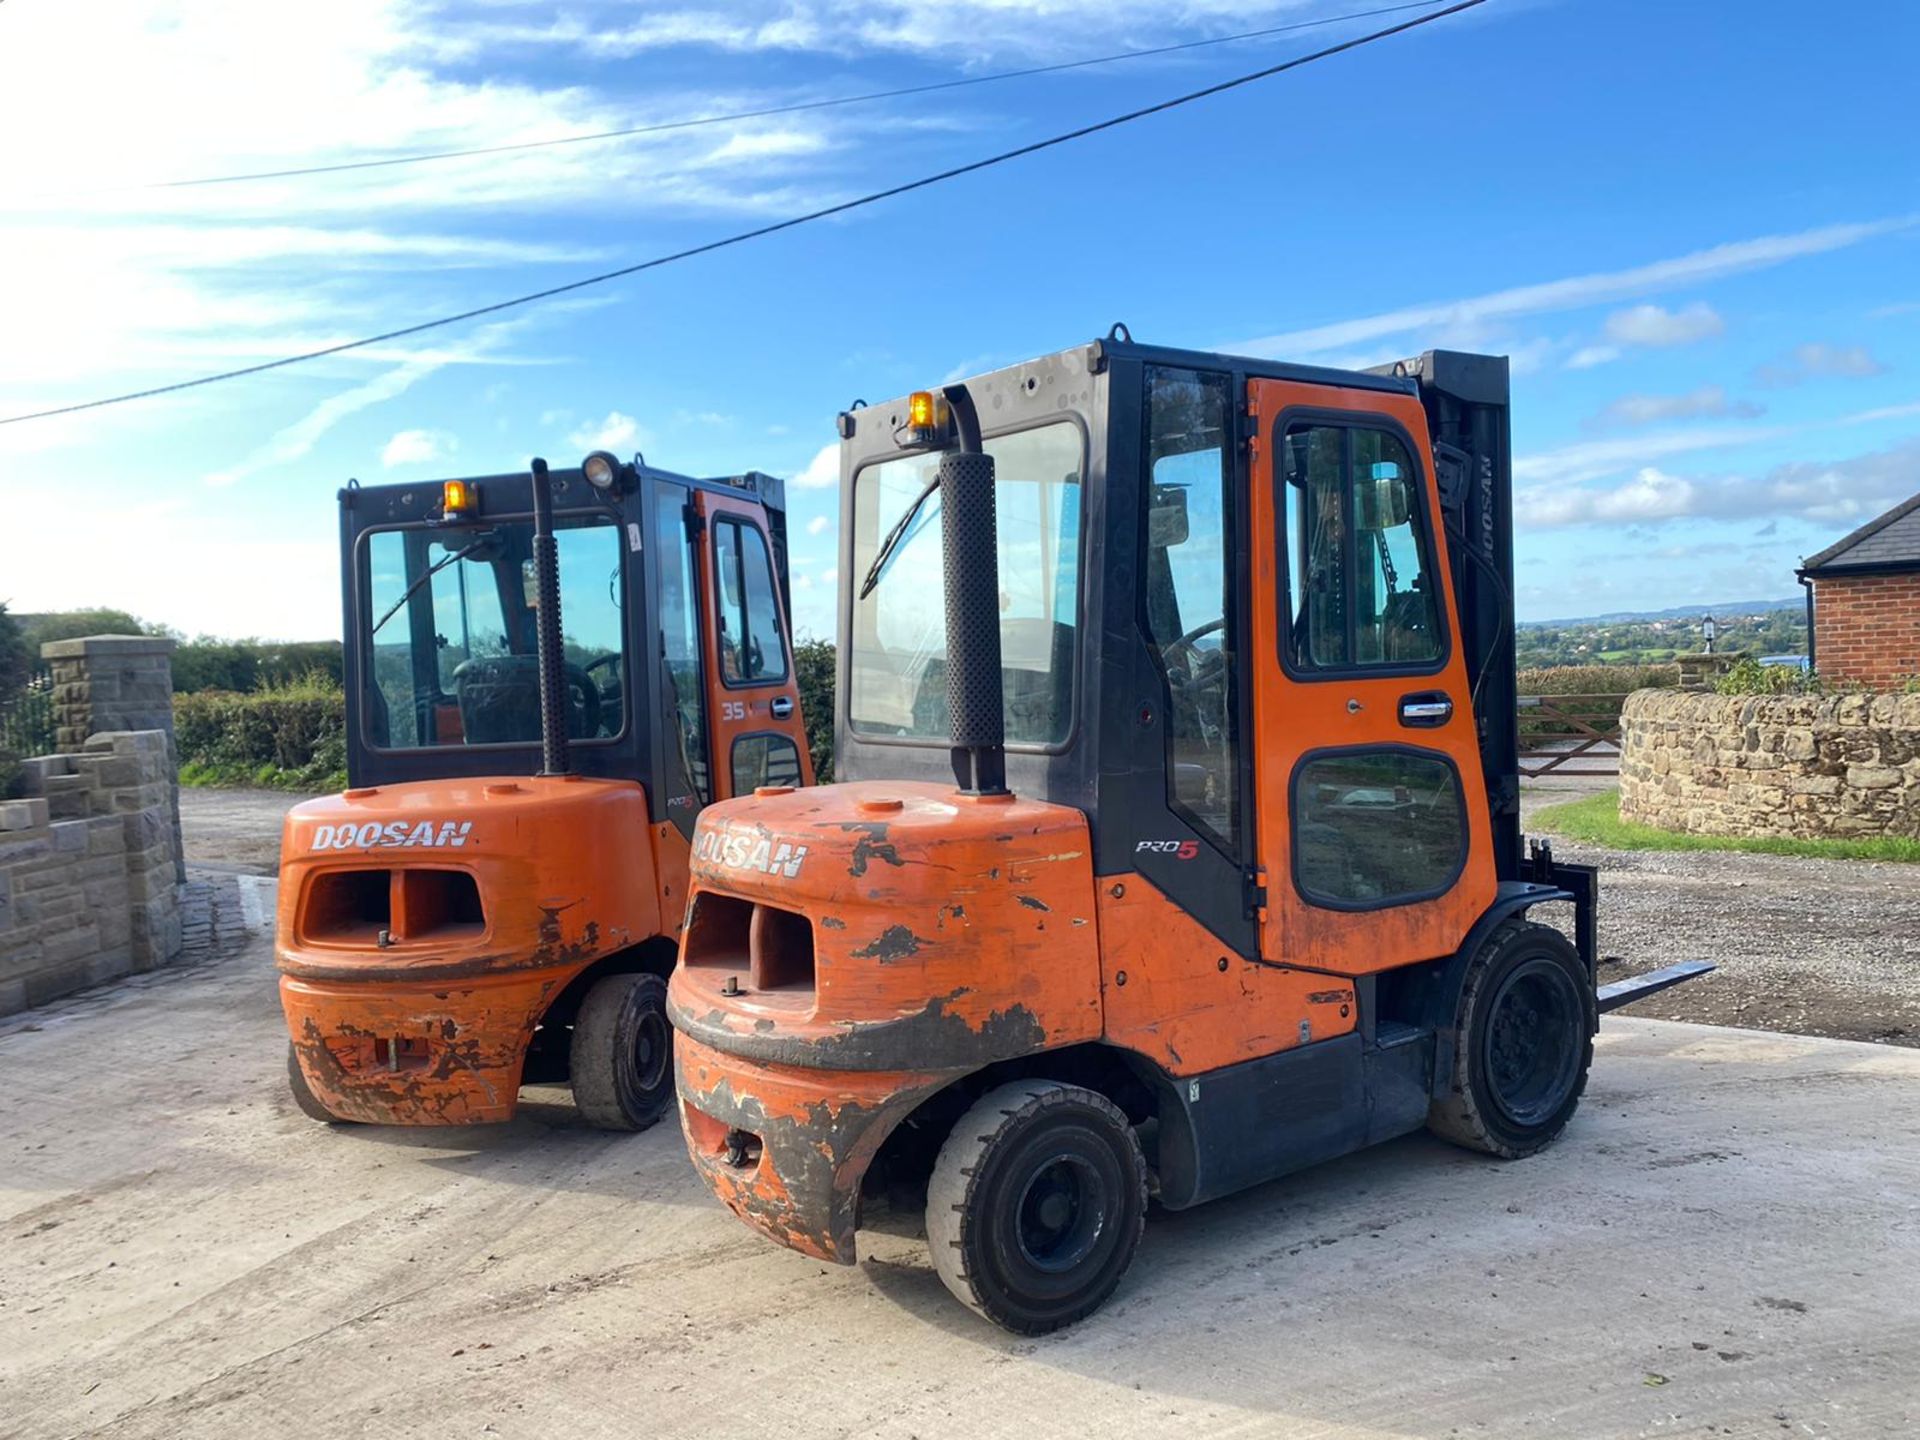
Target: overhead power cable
[(871, 198), (793, 109)]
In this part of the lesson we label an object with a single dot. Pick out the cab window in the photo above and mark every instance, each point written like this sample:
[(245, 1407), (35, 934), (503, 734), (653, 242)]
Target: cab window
[(751, 649), (1189, 617), (451, 638), (1377, 827), (1359, 587)]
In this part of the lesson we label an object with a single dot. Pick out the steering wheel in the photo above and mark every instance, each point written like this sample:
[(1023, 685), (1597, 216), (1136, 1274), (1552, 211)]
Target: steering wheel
[(584, 699), (608, 686), (1188, 643)]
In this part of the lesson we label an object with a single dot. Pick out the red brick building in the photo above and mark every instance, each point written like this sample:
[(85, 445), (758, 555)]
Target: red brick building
[(1864, 601)]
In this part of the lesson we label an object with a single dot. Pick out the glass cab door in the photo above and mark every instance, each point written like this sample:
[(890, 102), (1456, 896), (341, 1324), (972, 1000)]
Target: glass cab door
[(1373, 833), (752, 696)]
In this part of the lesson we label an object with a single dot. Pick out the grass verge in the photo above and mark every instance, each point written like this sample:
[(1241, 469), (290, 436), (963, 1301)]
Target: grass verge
[(1596, 821), (202, 775)]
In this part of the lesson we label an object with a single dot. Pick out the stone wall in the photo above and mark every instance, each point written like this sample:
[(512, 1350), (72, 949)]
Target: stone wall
[(103, 684), (87, 869), (1798, 766)]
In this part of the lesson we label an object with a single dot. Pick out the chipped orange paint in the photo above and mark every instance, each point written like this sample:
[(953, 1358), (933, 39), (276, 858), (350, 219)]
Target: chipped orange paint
[(1292, 717), (433, 1027), (1175, 994), (817, 1131), (932, 913), (947, 932)]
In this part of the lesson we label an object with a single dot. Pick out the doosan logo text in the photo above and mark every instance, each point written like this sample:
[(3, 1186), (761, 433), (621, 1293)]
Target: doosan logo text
[(432, 834), (739, 851)]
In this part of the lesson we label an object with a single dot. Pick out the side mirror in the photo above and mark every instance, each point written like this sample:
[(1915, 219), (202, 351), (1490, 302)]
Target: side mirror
[(1167, 517), (1381, 502)]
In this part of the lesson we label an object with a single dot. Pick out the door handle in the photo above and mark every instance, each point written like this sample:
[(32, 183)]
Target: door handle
[(1426, 710), (782, 706)]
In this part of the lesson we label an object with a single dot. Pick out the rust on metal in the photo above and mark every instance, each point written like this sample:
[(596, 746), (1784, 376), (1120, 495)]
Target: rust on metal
[(432, 1027)]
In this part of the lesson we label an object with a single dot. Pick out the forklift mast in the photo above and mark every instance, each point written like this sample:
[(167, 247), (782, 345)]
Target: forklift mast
[(1468, 405)]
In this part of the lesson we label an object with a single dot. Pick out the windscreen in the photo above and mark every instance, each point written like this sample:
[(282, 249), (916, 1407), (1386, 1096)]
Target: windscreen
[(898, 685), (449, 634)]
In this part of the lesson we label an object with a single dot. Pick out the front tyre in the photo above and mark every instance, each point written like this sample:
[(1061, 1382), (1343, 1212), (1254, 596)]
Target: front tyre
[(1036, 1205), (1523, 1044), (621, 1060)]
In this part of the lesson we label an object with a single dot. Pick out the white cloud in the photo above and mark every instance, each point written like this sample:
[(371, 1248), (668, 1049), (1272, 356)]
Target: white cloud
[(1589, 356), (1816, 360), (1595, 459), (296, 441), (1704, 402), (1656, 326), (1576, 292), (617, 433), (1832, 492), (1884, 412), (972, 29), (108, 283), (818, 525), (417, 447), (822, 471)]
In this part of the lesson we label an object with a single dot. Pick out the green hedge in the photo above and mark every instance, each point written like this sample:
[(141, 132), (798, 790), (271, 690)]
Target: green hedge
[(1597, 679), (813, 677), (291, 737)]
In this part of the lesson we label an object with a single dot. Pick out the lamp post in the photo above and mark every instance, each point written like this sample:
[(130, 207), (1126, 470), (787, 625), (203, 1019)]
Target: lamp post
[(1709, 629)]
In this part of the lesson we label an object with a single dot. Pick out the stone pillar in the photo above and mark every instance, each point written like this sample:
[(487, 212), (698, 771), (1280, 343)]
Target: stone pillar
[(114, 683)]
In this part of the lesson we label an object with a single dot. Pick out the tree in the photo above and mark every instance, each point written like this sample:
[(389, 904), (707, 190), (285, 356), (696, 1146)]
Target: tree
[(72, 624), (16, 655), (813, 662)]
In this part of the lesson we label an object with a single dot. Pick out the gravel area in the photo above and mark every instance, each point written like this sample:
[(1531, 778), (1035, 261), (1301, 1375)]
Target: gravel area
[(1809, 947), (234, 829)]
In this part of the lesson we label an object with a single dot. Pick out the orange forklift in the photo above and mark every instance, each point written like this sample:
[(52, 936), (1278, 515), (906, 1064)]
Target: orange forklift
[(547, 675), (1180, 847)]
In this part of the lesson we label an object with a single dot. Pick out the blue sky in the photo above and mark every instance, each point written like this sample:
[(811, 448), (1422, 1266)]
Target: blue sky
[(1695, 227)]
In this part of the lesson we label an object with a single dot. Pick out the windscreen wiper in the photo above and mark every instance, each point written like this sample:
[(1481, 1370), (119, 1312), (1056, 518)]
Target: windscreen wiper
[(894, 536), (431, 571)]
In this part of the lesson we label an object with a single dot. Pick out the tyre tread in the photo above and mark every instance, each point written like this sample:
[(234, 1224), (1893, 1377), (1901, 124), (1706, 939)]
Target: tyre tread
[(950, 1191), (596, 1037), (1456, 1117)]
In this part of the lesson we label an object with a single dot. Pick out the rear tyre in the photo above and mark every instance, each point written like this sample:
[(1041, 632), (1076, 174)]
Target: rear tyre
[(621, 1058), (1036, 1205), (303, 1095), (1523, 1044)]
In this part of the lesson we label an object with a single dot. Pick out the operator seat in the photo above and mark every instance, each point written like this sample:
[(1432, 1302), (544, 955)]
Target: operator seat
[(499, 698)]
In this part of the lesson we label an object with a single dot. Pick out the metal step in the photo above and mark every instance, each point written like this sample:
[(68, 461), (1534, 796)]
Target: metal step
[(1625, 992), (1389, 1033)]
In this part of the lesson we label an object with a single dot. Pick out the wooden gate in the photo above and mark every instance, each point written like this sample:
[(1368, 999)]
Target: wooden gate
[(1570, 734)]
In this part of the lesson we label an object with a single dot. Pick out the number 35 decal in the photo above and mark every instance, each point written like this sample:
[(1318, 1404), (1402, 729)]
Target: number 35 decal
[(733, 710)]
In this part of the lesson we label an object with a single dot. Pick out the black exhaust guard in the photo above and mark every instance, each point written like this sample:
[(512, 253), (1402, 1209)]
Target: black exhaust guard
[(548, 644), (976, 713)]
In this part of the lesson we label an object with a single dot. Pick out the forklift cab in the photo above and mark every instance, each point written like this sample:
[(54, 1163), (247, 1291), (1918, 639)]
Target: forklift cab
[(673, 597), (496, 898)]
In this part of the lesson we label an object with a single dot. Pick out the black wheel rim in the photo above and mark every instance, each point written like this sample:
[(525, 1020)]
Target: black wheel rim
[(1062, 1213), (652, 1050), (1533, 1042)]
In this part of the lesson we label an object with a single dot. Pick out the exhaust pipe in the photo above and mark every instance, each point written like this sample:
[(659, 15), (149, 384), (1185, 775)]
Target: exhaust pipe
[(976, 708), (546, 628)]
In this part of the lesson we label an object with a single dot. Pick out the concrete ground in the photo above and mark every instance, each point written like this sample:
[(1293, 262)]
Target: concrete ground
[(1725, 1243), (235, 829)]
